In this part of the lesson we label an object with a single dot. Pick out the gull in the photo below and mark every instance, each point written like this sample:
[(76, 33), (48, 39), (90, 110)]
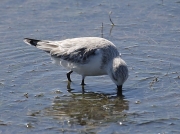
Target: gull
[(87, 56)]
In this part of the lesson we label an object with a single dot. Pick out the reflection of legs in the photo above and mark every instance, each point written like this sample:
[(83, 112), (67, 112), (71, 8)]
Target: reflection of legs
[(82, 83), (69, 89), (83, 90), (68, 76), (69, 85)]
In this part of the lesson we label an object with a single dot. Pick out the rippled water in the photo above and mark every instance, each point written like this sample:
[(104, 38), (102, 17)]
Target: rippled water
[(35, 95)]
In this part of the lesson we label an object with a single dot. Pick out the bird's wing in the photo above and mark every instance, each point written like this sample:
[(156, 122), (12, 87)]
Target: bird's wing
[(81, 55), (77, 51)]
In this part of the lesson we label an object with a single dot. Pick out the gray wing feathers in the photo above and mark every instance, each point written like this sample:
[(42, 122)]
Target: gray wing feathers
[(81, 55), (63, 51), (48, 47)]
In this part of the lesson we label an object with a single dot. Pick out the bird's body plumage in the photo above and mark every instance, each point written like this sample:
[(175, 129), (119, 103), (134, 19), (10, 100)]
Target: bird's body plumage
[(87, 56)]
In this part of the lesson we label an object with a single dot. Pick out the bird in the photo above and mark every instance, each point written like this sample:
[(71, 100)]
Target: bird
[(87, 56)]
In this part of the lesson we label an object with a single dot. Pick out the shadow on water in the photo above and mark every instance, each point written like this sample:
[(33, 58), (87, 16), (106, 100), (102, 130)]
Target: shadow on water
[(88, 108)]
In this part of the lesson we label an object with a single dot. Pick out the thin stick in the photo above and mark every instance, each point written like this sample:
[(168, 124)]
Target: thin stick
[(102, 30), (111, 29), (110, 18)]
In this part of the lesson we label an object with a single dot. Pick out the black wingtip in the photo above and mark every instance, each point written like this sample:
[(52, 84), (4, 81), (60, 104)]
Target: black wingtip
[(31, 41)]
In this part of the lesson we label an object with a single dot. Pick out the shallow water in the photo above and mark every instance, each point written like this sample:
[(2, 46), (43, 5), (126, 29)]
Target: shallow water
[(35, 95)]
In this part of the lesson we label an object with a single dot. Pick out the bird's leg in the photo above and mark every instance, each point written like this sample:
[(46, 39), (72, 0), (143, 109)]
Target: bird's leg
[(68, 76), (82, 83)]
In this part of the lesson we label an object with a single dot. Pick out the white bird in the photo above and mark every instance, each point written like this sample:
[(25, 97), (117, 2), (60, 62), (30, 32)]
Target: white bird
[(87, 56)]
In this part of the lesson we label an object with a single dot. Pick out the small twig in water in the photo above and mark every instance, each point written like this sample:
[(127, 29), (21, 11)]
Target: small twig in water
[(102, 30), (110, 18), (26, 95), (154, 81), (111, 29)]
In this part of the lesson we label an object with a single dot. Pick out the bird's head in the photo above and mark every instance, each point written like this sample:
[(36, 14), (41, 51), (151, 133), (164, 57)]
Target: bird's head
[(118, 72)]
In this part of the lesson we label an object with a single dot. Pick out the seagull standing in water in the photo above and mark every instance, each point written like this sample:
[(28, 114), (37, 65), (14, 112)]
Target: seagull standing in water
[(87, 56)]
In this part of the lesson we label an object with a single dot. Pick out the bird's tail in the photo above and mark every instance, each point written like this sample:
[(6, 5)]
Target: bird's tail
[(41, 44), (32, 42)]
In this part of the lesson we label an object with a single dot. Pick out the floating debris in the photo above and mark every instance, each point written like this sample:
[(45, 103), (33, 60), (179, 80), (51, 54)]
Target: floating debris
[(29, 125), (154, 81), (26, 95), (137, 102), (39, 95), (120, 123)]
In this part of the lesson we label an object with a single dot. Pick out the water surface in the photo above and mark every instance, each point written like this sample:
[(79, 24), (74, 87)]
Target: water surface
[(34, 95)]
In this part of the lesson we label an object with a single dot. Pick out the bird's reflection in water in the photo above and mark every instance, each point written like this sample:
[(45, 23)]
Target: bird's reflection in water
[(69, 89), (88, 108)]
